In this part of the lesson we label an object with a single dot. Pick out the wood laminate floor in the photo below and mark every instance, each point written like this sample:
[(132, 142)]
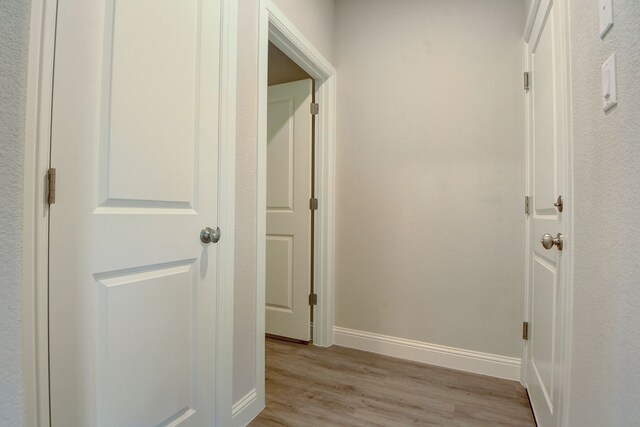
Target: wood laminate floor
[(337, 386)]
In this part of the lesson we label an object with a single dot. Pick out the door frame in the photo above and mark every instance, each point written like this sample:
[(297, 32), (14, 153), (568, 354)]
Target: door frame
[(567, 132), (275, 27), (35, 325)]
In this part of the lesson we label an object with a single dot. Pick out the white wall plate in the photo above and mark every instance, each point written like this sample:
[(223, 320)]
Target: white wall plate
[(609, 90)]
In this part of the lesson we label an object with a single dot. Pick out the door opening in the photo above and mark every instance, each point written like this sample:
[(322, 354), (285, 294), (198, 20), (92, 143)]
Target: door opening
[(289, 239), (276, 29)]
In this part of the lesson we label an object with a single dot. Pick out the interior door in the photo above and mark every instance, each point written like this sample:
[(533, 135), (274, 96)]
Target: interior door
[(289, 149), (135, 145), (547, 264)]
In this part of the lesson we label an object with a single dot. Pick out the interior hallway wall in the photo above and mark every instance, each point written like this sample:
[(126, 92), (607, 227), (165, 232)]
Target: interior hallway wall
[(14, 47), (315, 19), (430, 171), (605, 372)]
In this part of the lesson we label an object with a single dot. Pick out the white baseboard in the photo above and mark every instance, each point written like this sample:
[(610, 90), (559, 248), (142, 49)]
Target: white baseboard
[(433, 354), (246, 409)]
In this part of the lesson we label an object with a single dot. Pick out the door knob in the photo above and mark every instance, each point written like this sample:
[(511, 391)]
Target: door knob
[(548, 241), (210, 235)]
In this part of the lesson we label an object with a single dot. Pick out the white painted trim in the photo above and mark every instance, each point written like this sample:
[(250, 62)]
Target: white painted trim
[(36, 213), (283, 34), (531, 15), (35, 218), (448, 357), (567, 332), (246, 409), (528, 191), (275, 27), (226, 213), (261, 203)]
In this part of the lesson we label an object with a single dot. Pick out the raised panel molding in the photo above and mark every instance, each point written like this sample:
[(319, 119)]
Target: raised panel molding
[(280, 154), (143, 312), (447, 357), (280, 273), (246, 409), (141, 74)]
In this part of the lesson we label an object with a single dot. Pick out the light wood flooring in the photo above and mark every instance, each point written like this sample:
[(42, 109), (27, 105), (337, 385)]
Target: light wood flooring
[(337, 386)]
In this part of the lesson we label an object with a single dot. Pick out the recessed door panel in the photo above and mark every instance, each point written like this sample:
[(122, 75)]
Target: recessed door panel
[(144, 326), (544, 123), (150, 101), (543, 317), (280, 273), (280, 152)]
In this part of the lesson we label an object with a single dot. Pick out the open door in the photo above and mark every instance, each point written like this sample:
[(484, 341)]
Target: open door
[(289, 174), (133, 287), (548, 216)]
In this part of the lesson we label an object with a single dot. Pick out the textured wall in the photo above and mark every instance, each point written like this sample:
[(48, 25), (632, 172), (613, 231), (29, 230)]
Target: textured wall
[(605, 368), (430, 171), (314, 18), (14, 35)]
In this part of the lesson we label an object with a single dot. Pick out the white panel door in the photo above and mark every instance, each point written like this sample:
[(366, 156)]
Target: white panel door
[(548, 137), (135, 144), (289, 149)]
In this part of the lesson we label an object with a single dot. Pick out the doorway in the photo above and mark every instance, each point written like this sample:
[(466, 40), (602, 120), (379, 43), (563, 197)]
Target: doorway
[(290, 200), (275, 28)]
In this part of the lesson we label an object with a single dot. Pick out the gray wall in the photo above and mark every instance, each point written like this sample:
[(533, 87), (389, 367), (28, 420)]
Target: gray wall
[(605, 367), (430, 171), (14, 38), (315, 19)]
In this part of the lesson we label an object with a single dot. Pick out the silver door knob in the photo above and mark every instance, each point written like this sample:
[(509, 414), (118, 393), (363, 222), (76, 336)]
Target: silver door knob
[(210, 235), (548, 241)]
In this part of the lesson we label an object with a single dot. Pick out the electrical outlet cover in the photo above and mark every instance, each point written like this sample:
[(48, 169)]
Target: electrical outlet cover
[(606, 16), (609, 89)]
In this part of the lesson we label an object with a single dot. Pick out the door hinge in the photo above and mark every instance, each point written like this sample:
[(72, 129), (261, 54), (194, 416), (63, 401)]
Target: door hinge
[(527, 81), (527, 204), (313, 204), (315, 108), (313, 299), (51, 186), (525, 330)]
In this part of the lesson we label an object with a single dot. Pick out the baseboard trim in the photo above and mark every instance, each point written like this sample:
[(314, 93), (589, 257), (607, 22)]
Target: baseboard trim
[(448, 357), (246, 409)]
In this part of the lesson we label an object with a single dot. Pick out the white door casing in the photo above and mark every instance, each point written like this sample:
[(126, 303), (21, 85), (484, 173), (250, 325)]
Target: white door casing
[(133, 292), (289, 174), (548, 299)]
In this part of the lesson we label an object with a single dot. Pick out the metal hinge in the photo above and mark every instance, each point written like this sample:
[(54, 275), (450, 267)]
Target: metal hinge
[(313, 204), (51, 186), (313, 299), (527, 202), (525, 330), (315, 108), (527, 79)]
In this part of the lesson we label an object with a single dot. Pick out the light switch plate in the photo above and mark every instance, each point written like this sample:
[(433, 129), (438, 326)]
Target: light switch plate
[(606, 16), (609, 89)]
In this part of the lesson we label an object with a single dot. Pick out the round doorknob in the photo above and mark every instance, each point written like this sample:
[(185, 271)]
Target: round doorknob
[(548, 241), (210, 235)]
